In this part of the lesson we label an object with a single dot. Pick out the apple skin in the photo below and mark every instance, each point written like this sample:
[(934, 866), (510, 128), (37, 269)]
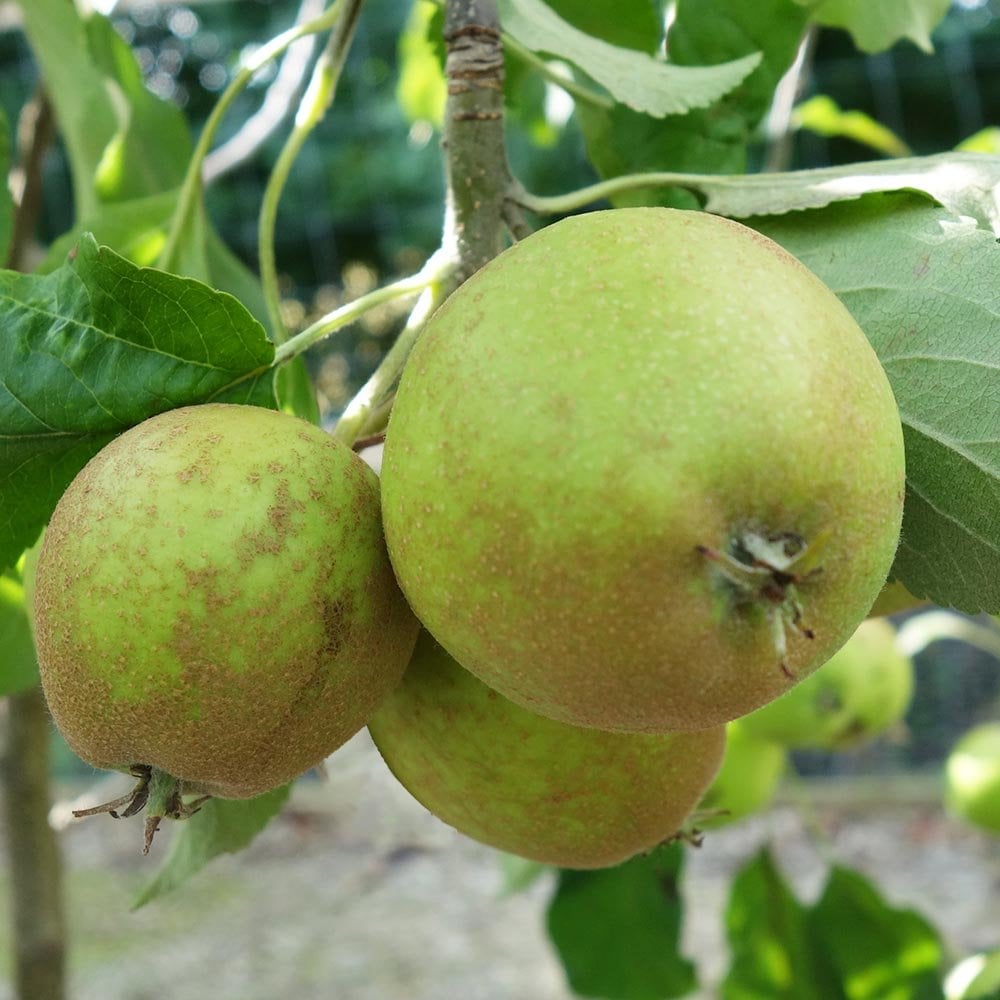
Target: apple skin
[(590, 420), (559, 794), (213, 599), (751, 771), (864, 689), (972, 777)]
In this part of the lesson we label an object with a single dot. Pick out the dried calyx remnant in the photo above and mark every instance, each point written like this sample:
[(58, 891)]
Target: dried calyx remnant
[(159, 792), (763, 570)]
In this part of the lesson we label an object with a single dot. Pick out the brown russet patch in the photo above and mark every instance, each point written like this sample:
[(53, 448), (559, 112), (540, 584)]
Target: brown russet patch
[(248, 687)]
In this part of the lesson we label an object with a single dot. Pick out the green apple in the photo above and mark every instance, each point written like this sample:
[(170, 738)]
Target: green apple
[(894, 598), (972, 777), (214, 603), (544, 790), (643, 473), (863, 690), (751, 771)]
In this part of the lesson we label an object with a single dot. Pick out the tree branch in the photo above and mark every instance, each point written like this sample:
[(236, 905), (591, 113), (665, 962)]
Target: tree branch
[(35, 132), (33, 851), (476, 171)]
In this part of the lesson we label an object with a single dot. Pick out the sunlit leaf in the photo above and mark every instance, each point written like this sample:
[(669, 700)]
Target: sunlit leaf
[(96, 347), (637, 80), (617, 929), (821, 114), (876, 26), (878, 952)]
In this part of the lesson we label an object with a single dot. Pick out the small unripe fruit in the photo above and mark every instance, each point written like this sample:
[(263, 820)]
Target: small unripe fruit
[(972, 775), (747, 781), (863, 690), (560, 794), (643, 472), (214, 601)]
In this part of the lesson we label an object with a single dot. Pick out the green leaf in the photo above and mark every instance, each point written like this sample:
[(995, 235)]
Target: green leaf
[(923, 288), (616, 930), (121, 140), (18, 666), (635, 79), (151, 146), (986, 140), (637, 25), (222, 826), (985, 984), (137, 230), (773, 954), (964, 183), (95, 348), (822, 115), (705, 32), (878, 953), (520, 873), (421, 90), (6, 204), (878, 26)]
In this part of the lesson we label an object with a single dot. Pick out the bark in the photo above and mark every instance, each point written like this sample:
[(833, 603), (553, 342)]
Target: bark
[(477, 174), (33, 853)]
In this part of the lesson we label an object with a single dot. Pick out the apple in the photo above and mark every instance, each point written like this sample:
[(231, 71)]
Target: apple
[(532, 786), (643, 472), (863, 690), (972, 777), (214, 606), (751, 771)]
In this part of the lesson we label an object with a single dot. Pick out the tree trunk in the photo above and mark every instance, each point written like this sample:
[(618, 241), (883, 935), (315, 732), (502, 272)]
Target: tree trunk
[(34, 859)]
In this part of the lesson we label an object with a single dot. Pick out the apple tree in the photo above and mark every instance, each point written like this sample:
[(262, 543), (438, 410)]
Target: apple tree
[(643, 472)]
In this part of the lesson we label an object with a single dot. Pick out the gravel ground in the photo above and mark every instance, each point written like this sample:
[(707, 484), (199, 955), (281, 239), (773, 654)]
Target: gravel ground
[(356, 893)]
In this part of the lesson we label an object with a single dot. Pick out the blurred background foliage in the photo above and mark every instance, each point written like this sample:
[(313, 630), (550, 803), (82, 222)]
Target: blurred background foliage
[(364, 201)]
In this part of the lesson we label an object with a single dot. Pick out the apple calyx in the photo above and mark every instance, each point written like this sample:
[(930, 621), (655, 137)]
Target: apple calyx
[(761, 570), (161, 792)]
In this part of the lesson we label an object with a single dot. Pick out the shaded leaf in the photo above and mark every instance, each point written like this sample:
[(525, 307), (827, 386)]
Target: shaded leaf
[(878, 952), (121, 140), (222, 826), (96, 347), (822, 115), (704, 32), (637, 25), (772, 951), (421, 89), (151, 145), (923, 288), (878, 26), (616, 930), (634, 79)]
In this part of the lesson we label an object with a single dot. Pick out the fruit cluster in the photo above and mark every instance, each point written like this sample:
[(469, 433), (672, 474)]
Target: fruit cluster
[(643, 474)]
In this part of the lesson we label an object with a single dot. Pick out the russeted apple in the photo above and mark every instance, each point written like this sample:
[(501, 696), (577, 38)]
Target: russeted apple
[(643, 473), (561, 794), (215, 611)]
